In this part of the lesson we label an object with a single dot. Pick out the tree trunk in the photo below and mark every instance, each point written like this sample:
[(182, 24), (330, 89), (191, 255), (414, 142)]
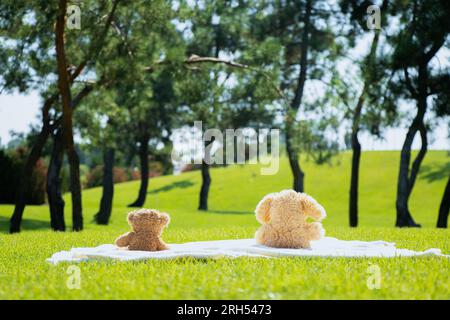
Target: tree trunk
[(404, 218), (75, 188), (64, 89), (356, 157), (444, 207), (354, 180), (102, 217), (297, 173), (55, 200), (143, 158), (206, 178), (406, 179), (356, 146), (204, 191)]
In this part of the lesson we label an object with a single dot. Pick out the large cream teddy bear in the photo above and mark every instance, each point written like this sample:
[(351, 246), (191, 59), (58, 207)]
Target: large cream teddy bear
[(285, 220)]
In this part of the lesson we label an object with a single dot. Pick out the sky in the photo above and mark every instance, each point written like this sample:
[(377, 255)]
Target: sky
[(17, 112)]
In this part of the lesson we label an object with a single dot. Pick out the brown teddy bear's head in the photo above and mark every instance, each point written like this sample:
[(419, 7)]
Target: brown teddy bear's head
[(148, 219), (288, 207)]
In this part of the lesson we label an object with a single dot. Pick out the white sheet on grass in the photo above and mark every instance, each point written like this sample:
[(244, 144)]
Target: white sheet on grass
[(326, 247)]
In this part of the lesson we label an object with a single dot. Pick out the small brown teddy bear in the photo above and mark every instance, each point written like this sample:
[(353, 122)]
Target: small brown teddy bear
[(147, 225), (284, 218)]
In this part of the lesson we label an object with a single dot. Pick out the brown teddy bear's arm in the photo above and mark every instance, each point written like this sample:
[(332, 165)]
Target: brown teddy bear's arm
[(125, 239), (162, 246)]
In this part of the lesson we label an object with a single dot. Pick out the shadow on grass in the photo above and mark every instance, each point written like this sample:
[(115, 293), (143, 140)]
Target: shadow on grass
[(175, 185), (433, 172), (149, 261), (27, 224), (229, 212)]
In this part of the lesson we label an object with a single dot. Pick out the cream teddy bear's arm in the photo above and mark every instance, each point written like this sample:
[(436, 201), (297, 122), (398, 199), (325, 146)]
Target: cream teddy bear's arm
[(124, 240), (313, 209), (263, 209)]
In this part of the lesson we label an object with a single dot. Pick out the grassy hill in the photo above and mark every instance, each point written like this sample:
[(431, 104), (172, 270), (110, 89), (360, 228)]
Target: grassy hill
[(234, 193), (236, 190)]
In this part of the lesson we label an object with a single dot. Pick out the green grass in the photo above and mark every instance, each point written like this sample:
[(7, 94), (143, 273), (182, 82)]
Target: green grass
[(235, 192)]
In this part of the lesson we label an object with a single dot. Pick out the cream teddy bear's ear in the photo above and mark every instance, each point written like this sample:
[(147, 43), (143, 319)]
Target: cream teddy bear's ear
[(312, 208), (263, 209)]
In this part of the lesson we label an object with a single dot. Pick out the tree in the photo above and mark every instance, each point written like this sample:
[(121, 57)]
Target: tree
[(104, 213), (67, 127), (298, 174), (425, 32), (444, 208), (212, 36), (309, 50), (442, 108), (152, 122), (97, 124), (146, 95), (129, 114), (224, 94), (54, 187), (370, 76), (55, 200), (25, 25)]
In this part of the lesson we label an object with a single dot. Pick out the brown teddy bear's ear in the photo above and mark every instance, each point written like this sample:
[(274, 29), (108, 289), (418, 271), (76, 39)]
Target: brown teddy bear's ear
[(263, 209), (165, 218), (130, 216)]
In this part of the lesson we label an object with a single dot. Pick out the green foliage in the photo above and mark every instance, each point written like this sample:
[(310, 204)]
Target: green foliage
[(28, 42), (414, 46), (277, 37), (136, 104), (224, 96), (11, 165), (316, 139), (8, 169)]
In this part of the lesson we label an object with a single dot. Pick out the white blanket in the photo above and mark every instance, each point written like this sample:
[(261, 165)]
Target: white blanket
[(326, 247)]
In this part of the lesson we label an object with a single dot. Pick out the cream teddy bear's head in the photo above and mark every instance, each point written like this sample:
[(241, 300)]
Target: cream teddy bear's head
[(288, 207)]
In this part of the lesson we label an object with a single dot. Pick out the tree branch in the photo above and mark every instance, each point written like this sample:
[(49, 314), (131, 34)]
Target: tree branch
[(434, 49), (84, 92), (195, 59), (409, 84), (122, 37), (296, 102), (98, 43)]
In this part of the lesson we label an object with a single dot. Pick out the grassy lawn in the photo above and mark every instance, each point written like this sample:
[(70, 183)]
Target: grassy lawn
[(234, 193)]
